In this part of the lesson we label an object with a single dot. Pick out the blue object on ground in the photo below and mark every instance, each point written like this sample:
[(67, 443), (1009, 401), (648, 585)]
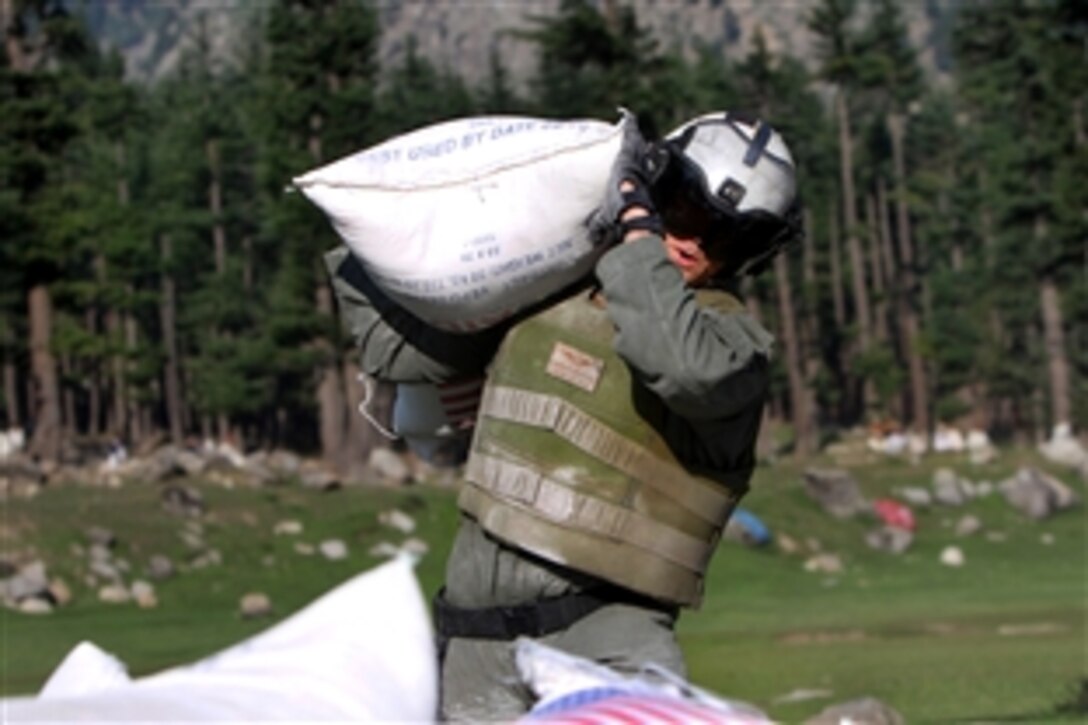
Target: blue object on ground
[(756, 532)]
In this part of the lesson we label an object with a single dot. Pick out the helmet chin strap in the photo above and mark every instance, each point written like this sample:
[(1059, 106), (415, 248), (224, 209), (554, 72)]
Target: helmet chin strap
[(756, 263)]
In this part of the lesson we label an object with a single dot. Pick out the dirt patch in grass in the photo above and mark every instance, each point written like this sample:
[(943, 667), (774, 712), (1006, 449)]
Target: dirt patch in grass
[(1031, 629), (928, 629), (826, 637)]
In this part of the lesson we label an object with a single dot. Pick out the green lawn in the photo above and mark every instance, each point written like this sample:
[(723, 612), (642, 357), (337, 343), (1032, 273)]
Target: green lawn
[(1002, 638)]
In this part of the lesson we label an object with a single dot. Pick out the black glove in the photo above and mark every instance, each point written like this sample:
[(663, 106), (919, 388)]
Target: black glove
[(606, 224)]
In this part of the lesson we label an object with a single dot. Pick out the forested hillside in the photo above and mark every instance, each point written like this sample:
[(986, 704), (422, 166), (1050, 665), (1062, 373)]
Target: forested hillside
[(157, 282), (462, 35)]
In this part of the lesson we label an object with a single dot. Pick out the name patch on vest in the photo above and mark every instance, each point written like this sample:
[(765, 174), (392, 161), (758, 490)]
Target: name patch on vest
[(575, 367)]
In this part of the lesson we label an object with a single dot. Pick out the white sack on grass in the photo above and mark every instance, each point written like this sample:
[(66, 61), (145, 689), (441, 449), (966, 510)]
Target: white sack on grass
[(467, 221), (361, 653), (573, 689)]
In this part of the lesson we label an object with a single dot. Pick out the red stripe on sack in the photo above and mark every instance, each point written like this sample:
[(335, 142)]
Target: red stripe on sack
[(613, 712), (635, 710), (676, 711), (669, 711)]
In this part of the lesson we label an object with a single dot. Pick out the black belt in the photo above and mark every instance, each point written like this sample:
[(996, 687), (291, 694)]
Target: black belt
[(535, 619)]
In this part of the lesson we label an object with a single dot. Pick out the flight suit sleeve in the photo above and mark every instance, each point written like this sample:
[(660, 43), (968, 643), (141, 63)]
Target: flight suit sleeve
[(703, 362), (395, 345)]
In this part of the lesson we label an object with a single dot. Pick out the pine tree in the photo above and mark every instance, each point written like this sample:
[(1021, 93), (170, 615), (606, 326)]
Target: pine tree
[(320, 87), (591, 62), (777, 90), (840, 64), (417, 94), (497, 96), (1022, 72), (890, 77), (944, 203), (105, 232), (42, 86), (204, 100)]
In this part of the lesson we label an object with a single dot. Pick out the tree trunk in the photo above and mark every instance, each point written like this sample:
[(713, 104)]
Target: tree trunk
[(989, 410), (117, 423), (330, 394), (247, 264), (13, 46), (46, 440), (215, 205), (68, 397), (168, 321), (888, 264), (94, 385), (136, 429), (1061, 401), (835, 254), (219, 251), (361, 437), (843, 347), (810, 332), (11, 395), (121, 156), (858, 392), (611, 16), (880, 281), (10, 375), (908, 313), (803, 424), (808, 252), (850, 223), (889, 267)]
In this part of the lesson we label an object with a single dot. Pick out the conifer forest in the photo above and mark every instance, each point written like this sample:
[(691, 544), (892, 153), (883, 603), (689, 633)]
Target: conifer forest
[(157, 281)]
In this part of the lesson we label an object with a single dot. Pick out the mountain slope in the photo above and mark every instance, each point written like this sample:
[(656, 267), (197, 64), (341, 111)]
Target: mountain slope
[(461, 34)]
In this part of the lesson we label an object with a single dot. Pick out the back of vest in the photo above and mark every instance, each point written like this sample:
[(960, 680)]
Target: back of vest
[(572, 462)]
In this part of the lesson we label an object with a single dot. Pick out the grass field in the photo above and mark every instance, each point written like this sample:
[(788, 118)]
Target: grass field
[(1000, 639)]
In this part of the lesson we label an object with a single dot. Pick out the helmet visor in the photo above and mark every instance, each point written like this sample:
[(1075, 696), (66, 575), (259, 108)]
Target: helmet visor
[(688, 211)]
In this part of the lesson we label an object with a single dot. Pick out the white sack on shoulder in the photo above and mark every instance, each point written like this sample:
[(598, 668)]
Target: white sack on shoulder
[(465, 222)]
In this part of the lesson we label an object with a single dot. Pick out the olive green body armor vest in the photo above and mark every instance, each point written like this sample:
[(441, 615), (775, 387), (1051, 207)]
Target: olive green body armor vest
[(572, 461)]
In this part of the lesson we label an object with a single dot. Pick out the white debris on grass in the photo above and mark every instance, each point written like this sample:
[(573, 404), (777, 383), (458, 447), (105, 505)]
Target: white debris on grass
[(35, 605), (968, 525), (802, 695), (143, 593), (254, 604), (334, 549), (288, 527), (114, 594), (397, 519), (953, 556), (825, 563)]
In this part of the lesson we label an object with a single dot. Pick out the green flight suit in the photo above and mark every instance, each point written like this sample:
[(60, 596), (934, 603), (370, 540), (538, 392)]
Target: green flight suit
[(709, 369)]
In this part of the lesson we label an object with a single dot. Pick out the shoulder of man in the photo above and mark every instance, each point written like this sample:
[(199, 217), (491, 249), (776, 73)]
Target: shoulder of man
[(720, 299), (728, 302)]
